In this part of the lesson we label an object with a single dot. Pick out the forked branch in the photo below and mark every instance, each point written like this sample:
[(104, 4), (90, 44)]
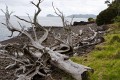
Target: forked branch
[(12, 28), (60, 14), (38, 10)]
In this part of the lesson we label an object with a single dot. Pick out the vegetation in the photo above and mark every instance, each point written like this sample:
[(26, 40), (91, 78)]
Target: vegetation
[(105, 59), (108, 15), (91, 19), (117, 19), (115, 27)]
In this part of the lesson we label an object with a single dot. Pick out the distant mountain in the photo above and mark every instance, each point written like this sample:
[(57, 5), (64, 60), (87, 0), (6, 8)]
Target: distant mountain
[(76, 15), (50, 15), (82, 15)]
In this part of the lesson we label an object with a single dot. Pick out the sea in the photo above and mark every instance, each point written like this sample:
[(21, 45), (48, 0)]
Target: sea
[(44, 21)]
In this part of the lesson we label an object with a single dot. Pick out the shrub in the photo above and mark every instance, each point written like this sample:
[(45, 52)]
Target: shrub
[(115, 38), (90, 19), (106, 16), (114, 28), (117, 19)]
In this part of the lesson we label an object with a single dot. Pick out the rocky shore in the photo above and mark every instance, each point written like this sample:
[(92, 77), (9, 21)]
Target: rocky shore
[(75, 29)]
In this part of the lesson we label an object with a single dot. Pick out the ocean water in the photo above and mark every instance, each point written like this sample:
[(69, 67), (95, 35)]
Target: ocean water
[(44, 21)]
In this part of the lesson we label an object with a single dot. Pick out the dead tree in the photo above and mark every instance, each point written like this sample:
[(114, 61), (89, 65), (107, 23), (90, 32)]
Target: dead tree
[(66, 26), (35, 59)]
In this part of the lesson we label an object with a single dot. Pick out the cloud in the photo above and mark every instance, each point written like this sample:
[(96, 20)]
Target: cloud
[(21, 7), (13, 2)]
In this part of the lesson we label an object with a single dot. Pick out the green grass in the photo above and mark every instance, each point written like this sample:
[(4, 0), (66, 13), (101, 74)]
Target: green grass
[(115, 27), (105, 59)]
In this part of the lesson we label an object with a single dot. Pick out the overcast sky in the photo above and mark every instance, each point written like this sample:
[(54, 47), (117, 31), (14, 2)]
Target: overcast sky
[(68, 7)]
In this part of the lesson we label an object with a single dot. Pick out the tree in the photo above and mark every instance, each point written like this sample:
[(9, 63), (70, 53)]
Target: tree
[(91, 19), (107, 2), (107, 16)]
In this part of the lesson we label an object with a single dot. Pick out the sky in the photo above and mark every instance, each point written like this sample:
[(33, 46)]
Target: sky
[(68, 7)]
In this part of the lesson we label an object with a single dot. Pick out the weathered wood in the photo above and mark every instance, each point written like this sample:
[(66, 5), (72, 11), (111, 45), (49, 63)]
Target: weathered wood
[(37, 63)]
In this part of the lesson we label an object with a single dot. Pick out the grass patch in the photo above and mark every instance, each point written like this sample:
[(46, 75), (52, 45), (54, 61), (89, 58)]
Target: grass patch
[(114, 28), (105, 59)]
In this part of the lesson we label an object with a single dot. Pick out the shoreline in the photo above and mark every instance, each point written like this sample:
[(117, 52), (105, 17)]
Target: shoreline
[(28, 29), (59, 29)]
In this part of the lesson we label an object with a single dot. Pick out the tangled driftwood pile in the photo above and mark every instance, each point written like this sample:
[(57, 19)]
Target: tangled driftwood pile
[(33, 61)]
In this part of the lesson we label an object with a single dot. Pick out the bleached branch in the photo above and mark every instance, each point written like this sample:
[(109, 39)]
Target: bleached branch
[(23, 19), (44, 37), (60, 14)]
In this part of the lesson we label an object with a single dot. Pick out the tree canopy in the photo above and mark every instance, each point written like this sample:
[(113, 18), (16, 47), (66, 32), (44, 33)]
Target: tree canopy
[(107, 16)]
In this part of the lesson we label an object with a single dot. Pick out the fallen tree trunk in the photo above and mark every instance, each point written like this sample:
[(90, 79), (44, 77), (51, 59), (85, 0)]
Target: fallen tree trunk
[(61, 61), (64, 63)]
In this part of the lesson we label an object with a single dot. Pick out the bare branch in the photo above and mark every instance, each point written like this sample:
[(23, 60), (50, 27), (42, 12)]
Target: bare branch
[(12, 28), (58, 38), (67, 28), (72, 20), (33, 26), (44, 37), (23, 19), (2, 11), (60, 14), (29, 17), (38, 11), (92, 37), (22, 27), (95, 33)]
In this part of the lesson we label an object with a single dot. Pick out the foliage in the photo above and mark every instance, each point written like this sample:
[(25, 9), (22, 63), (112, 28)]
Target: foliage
[(114, 38), (90, 19), (107, 15), (104, 59), (114, 28), (117, 19)]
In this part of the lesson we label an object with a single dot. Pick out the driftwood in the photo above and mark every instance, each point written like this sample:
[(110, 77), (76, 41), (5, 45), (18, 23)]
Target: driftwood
[(86, 44), (34, 59)]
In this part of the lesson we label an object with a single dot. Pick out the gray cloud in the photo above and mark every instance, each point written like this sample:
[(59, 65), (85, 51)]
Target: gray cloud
[(12, 2), (21, 7)]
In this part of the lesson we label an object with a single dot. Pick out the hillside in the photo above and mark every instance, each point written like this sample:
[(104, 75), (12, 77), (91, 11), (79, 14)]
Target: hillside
[(105, 58)]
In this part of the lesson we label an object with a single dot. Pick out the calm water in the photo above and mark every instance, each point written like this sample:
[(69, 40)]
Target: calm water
[(44, 21)]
